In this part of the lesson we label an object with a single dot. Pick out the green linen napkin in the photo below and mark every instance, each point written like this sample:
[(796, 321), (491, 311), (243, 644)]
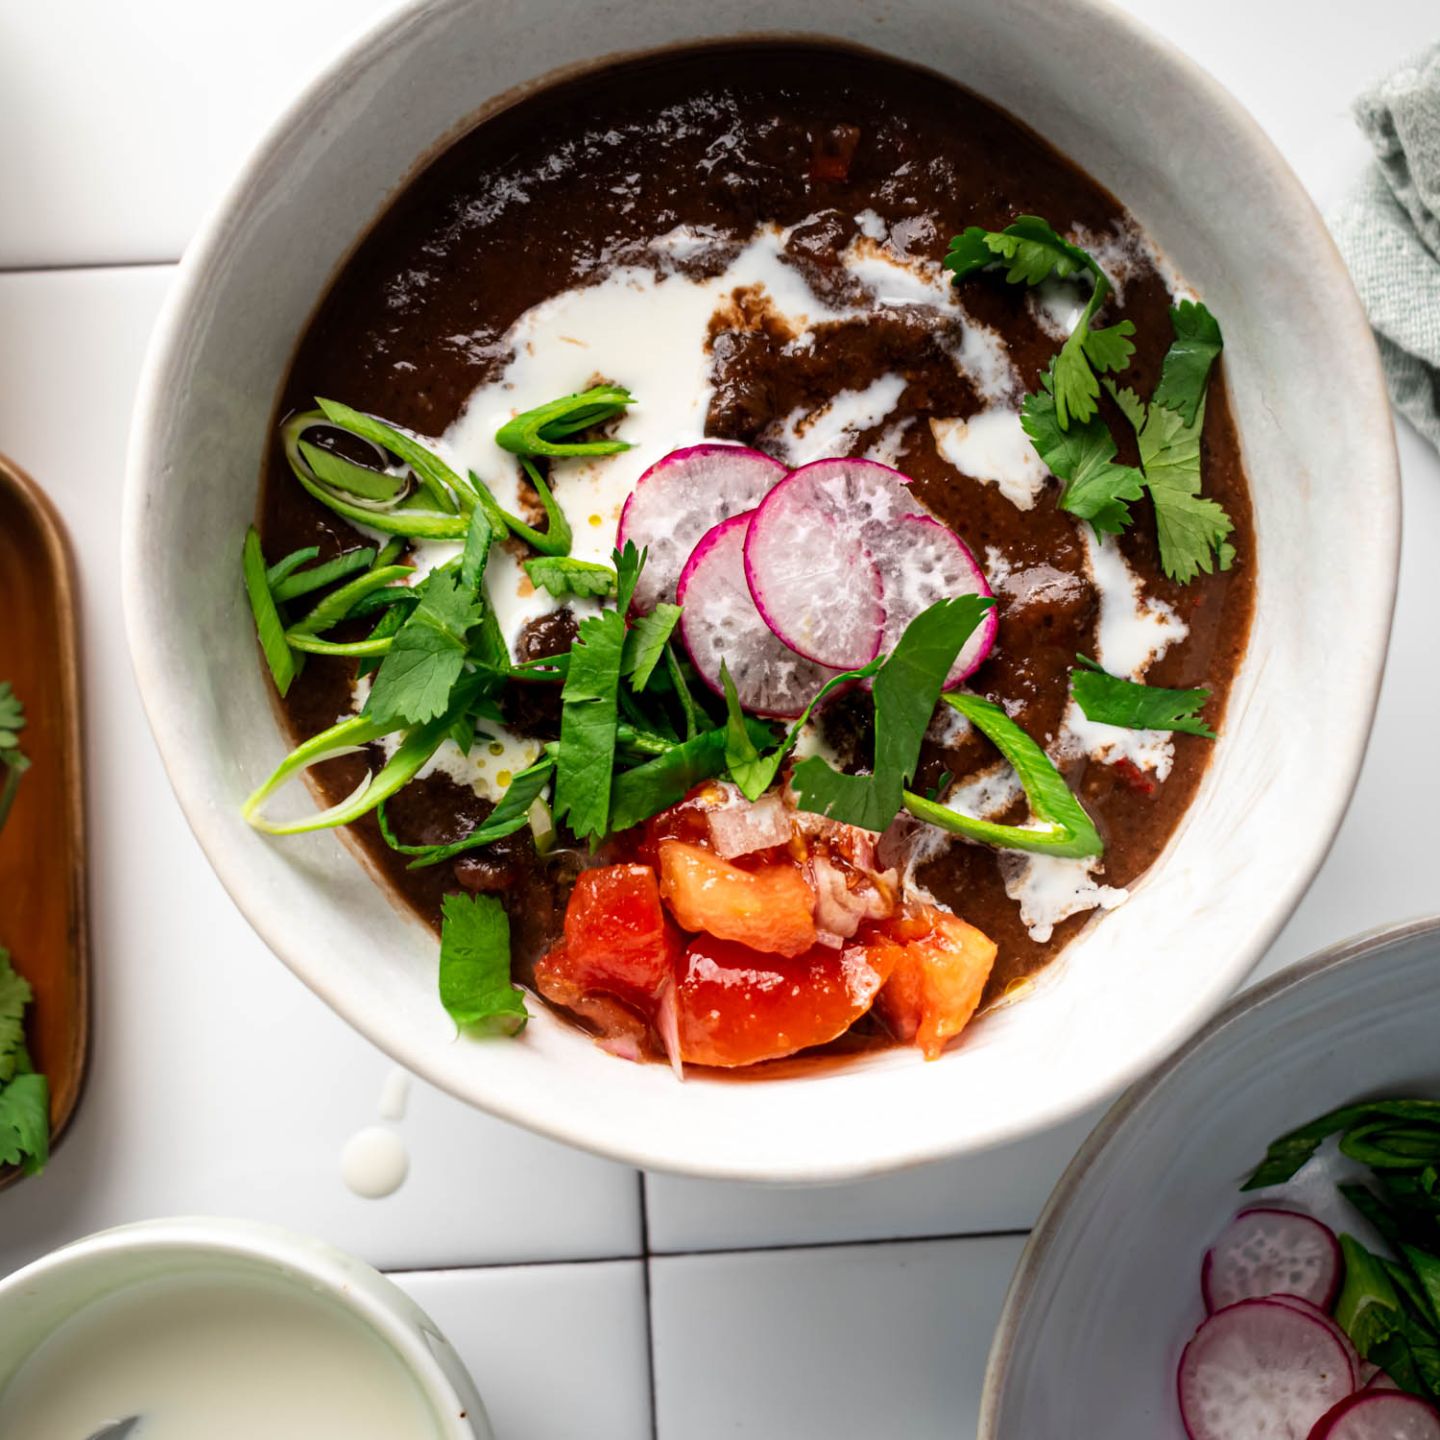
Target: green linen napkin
[(1389, 234)]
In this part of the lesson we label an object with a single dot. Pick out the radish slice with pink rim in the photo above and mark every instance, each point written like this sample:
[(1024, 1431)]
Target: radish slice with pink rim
[(1379, 1415), (921, 562), (1305, 1307), (1260, 1371), (807, 561), (679, 498), (1266, 1251), (719, 621)]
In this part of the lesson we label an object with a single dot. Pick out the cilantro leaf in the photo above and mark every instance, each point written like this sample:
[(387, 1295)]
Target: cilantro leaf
[(564, 577), (427, 655), (742, 758), (1032, 247), (1192, 530), (755, 773), (25, 1122), (1111, 348), (1110, 700), (1059, 824), (1083, 458), (13, 760), (585, 762), (15, 995), (475, 986), (1186, 368), (646, 642), (907, 686), (546, 429), (512, 813), (648, 789), (1035, 252), (629, 562)]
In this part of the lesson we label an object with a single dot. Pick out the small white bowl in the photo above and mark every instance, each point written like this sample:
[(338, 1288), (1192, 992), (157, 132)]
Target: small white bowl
[(37, 1299), (1316, 428), (1107, 1291)]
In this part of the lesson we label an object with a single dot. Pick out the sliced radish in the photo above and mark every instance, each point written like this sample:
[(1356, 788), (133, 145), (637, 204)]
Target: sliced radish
[(1380, 1381), (1264, 1251), (1305, 1307), (1259, 1370), (720, 622), (1379, 1415), (922, 561), (682, 496), (807, 560)]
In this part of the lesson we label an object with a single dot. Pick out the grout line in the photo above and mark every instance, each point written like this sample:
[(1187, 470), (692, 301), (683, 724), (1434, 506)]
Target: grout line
[(68, 267), (834, 1244), (512, 1264), (649, 1308), (647, 1255)]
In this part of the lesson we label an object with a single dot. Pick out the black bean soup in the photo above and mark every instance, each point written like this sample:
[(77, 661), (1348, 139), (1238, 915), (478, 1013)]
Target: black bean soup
[(835, 154)]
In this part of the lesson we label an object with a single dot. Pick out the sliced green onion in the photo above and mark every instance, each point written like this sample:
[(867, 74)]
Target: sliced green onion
[(359, 480), (478, 539), (682, 692), (337, 605), (553, 540), (268, 625), (438, 524), (510, 815), (344, 739), (434, 475), (313, 645), (293, 561), (543, 430), (1063, 827), (291, 587)]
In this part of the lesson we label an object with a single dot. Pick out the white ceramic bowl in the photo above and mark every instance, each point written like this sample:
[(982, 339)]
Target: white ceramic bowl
[(1317, 435), (1108, 1289), (37, 1299)]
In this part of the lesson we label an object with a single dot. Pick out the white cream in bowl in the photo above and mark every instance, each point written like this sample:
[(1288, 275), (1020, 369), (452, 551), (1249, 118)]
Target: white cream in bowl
[(225, 1330), (226, 1356)]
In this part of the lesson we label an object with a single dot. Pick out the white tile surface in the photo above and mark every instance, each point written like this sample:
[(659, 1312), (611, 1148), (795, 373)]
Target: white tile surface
[(121, 123), (558, 1352), (219, 1084), (1002, 1190), (819, 1344)]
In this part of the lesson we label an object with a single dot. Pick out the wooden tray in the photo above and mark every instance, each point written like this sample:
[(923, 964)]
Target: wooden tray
[(42, 848)]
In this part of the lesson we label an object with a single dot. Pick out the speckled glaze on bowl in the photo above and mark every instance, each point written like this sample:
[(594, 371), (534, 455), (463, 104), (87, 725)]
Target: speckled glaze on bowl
[(1315, 425), (1107, 1291)]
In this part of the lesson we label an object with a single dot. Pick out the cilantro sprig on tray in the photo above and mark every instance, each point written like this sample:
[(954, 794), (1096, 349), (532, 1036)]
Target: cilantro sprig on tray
[(24, 1093), (1063, 418)]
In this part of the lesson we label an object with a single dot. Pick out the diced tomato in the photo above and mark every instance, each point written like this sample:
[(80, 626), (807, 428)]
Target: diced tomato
[(618, 941), (563, 981), (938, 966), (737, 1006), (683, 821), (770, 907)]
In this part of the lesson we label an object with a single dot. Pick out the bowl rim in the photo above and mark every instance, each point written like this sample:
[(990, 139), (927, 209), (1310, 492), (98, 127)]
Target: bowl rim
[(1359, 949), (353, 1285), (206, 254)]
